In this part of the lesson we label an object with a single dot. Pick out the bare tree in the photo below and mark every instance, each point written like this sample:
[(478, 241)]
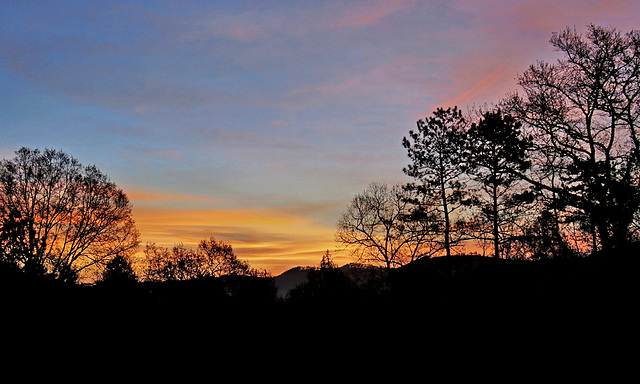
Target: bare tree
[(217, 258), (60, 217), (379, 228), (584, 115)]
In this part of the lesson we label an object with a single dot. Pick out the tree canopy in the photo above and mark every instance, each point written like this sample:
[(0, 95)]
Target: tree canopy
[(212, 258), (495, 146), (60, 217), (583, 114), (434, 149)]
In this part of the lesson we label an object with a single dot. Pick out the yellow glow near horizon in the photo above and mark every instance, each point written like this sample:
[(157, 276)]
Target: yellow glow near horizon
[(271, 238)]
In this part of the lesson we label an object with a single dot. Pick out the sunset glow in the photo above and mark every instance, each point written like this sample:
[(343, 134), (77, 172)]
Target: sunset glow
[(271, 237), (256, 122)]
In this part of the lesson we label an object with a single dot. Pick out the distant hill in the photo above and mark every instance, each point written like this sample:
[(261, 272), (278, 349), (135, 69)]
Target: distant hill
[(293, 277), (289, 279), (454, 266), (473, 276)]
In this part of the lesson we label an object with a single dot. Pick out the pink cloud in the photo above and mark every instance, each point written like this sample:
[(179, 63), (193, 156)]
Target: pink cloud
[(491, 82), (370, 13), (247, 26), (505, 37), (254, 25)]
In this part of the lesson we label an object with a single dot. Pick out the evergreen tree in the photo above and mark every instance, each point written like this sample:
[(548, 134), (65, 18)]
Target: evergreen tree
[(327, 263), (495, 146), (119, 271), (435, 150)]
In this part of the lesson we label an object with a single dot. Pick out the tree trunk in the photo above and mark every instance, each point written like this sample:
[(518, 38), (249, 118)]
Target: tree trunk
[(445, 208), (496, 232)]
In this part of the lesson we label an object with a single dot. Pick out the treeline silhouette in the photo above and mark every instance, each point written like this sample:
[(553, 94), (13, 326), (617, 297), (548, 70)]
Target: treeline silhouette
[(464, 289), (546, 184)]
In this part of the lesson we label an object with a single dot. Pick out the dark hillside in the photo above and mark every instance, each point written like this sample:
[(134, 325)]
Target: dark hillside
[(290, 279), (459, 289), (360, 275), (603, 285)]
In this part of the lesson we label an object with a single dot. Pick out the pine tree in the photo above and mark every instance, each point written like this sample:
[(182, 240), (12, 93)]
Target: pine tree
[(437, 159), (119, 271), (327, 263), (495, 147)]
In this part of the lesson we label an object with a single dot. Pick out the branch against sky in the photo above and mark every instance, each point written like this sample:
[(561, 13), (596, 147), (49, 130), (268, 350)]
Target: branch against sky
[(378, 228), (582, 113)]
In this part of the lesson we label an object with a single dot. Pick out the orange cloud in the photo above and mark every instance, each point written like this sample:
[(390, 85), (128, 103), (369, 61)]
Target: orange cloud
[(144, 195), (272, 238)]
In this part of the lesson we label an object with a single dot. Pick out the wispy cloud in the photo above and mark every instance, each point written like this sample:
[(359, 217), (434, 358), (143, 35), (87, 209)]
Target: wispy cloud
[(482, 86), (247, 24), (367, 13)]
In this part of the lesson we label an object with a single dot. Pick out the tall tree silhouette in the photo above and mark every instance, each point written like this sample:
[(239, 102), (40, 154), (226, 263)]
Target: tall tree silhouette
[(584, 114), (437, 159), (494, 147), (60, 217)]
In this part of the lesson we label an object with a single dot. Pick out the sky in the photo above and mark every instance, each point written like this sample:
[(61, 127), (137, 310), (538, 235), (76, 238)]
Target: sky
[(256, 122)]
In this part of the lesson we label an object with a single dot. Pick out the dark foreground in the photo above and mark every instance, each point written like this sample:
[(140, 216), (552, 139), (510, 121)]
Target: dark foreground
[(463, 306)]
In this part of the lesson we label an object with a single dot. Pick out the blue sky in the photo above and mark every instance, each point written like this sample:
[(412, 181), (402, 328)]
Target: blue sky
[(256, 121)]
